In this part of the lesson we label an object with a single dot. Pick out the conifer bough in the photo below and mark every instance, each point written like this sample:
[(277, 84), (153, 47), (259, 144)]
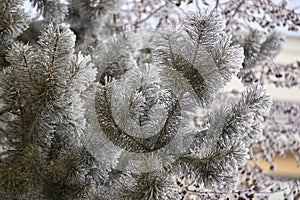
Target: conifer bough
[(106, 126)]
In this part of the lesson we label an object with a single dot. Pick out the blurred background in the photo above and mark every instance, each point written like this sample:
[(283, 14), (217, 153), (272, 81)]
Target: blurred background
[(290, 54)]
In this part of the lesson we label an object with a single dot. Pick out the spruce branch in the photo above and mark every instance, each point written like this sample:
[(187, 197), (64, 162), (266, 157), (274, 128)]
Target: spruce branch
[(41, 95), (260, 49), (45, 95), (112, 55), (149, 185), (13, 19), (241, 121), (200, 63), (13, 22), (218, 167), (72, 138), (217, 151), (126, 140), (203, 28), (110, 127), (91, 10), (52, 11)]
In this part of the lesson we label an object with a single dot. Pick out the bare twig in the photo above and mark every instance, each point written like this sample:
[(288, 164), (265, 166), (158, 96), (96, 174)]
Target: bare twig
[(150, 15), (217, 4)]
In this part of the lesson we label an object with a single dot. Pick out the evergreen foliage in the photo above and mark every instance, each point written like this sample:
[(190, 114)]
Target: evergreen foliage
[(91, 112), (42, 90), (13, 22)]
